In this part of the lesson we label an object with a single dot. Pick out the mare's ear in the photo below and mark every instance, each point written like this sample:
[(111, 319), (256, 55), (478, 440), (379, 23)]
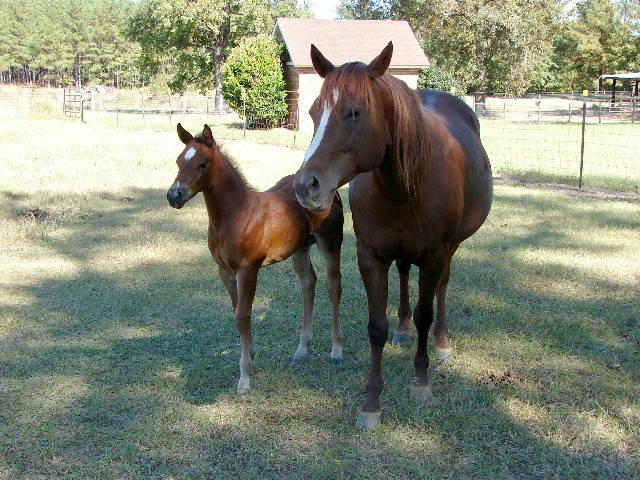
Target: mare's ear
[(379, 65), (207, 136), (320, 63), (184, 136)]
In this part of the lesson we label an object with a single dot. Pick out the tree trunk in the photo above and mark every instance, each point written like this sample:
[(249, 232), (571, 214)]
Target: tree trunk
[(76, 71), (219, 45), (479, 100)]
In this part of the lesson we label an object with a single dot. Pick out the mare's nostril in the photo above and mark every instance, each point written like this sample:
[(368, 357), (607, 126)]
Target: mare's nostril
[(313, 185)]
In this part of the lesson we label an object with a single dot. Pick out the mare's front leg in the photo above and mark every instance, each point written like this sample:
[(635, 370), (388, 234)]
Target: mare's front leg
[(307, 280), (246, 278), (375, 275), (402, 333), (430, 273), (330, 250)]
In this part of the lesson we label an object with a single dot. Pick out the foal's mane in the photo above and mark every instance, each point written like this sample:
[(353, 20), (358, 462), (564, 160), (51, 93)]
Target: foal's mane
[(230, 162), (408, 127)]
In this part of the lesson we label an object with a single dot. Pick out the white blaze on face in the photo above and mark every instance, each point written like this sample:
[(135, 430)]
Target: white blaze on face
[(322, 126), (189, 154)]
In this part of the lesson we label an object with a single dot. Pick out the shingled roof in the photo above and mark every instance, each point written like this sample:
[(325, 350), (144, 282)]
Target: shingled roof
[(343, 41)]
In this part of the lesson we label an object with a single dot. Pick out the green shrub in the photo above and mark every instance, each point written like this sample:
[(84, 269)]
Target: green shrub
[(253, 79), (438, 79)]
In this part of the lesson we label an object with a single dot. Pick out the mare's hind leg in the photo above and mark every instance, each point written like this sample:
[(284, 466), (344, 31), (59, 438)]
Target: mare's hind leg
[(430, 273), (402, 333), (247, 279), (443, 349), (229, 282), (307, 279), (330, 250)]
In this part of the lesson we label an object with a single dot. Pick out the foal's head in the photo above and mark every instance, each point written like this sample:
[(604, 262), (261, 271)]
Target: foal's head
[(194, 164), (350, 119)]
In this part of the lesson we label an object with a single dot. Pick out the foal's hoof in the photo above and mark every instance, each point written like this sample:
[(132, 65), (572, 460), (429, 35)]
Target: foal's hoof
[(244, 386), (444, 355), (420, 393), (368, 420), (335, 361), (243, 390), (298, 357), (401, 338)]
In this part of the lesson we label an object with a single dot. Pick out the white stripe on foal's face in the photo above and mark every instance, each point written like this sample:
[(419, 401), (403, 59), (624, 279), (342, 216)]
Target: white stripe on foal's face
[(188, 155), (317, 138)]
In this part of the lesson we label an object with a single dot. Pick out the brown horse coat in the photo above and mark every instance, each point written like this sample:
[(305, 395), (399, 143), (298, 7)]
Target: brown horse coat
[(420, 184)]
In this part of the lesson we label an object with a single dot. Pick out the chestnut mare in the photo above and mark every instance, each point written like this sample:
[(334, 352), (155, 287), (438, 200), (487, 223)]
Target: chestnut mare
[(249, 229), (420, 184)]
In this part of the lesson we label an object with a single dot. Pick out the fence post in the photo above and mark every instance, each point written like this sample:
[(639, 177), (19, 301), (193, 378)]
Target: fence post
[(633, 111), (570, 105), (584, 118), (538, 109), (118, 108), (142, 102), (244, 113), (504, 107), (206, 115), (170, 122), (81, 108), (599, 112)]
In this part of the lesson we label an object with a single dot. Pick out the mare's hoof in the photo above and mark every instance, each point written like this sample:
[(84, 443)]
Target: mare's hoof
[(336, 361), (420, 393), (444, 355), (401, 338), (368, 420)]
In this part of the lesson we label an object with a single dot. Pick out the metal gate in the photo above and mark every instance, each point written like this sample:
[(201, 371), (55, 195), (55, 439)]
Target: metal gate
[(74, 103)]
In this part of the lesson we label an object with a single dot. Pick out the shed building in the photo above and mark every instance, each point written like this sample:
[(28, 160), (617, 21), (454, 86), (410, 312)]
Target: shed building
[(341, 41)]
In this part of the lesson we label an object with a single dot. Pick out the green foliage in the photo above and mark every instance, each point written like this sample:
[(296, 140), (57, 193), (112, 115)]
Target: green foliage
[(61, 42), (438, 79), (194, 37), (253, 83), (599, 37)]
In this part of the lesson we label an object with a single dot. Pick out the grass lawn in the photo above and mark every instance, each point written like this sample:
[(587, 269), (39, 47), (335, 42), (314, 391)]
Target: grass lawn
[(118, 354)]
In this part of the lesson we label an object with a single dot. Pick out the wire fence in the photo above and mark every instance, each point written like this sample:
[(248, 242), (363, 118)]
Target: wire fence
[(540, 137)]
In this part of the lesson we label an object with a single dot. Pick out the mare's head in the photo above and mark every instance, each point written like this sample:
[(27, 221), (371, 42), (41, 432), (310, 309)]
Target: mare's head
[(351, 133), (194, 164)]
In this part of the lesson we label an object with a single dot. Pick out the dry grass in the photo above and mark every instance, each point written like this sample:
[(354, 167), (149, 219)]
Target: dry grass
[(118, 354)]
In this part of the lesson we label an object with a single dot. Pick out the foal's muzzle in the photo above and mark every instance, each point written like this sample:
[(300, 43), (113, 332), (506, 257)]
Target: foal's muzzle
[(177, 196)]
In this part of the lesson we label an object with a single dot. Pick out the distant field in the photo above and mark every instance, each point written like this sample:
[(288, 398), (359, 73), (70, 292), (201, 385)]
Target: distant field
[(118, 355)]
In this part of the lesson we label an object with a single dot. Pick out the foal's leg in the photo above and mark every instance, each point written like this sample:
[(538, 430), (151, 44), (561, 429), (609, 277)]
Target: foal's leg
[(247, 278), (330, 250), (229, 282), (375, 275), (430, 273), (443, 350), (307, 279), (402, 333)]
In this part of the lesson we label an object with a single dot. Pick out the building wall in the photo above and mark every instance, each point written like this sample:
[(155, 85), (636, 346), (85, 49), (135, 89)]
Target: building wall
[(307, 82)]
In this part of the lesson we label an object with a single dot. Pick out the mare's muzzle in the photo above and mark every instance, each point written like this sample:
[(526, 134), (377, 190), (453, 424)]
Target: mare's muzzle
[(310, 192), (177, 196)]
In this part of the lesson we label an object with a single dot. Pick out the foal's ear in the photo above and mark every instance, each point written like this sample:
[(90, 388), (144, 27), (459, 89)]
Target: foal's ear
[(184, 136), (320, 63), (379, 65), (207, 136)]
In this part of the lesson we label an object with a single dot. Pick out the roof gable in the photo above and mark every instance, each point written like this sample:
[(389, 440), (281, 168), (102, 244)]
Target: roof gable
[(343, 41)]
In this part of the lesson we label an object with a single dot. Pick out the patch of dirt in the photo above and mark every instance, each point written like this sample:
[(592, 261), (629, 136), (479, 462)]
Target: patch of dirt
[(502, 178), (498, 379), (35, 215)]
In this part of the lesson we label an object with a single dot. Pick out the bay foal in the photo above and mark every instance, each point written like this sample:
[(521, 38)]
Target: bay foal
[(249, 229)]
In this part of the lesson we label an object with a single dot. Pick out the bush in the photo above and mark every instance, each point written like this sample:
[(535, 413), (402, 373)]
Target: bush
[(252, 78), (438, 79)]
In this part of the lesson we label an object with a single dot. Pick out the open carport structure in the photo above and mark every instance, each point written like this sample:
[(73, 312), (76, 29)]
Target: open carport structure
[(635, 77)]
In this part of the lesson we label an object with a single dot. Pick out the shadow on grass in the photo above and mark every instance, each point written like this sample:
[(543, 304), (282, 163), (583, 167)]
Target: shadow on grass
[(130, 371)]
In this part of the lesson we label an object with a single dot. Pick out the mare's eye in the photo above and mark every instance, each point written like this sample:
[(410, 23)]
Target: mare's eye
[(352, 115)]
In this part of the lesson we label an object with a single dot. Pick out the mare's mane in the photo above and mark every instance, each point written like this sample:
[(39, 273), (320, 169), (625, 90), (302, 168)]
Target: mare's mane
[(408, 127)]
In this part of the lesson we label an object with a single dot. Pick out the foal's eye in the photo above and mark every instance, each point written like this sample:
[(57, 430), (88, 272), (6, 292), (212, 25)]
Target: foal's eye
[(202, 166), (352, 115)]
